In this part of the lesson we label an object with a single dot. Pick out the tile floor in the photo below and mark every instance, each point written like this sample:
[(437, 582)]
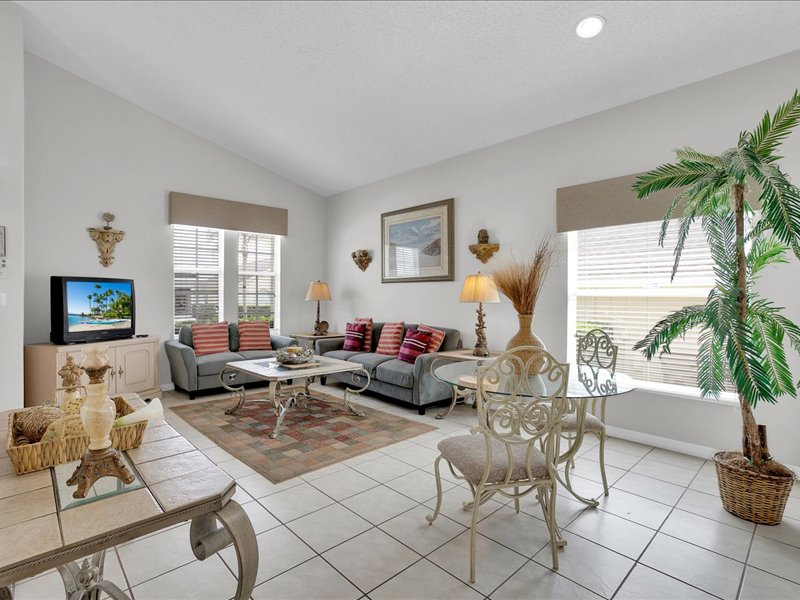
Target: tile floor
[(358, 530)]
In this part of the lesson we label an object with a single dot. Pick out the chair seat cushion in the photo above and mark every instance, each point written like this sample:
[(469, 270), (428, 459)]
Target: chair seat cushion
[(467, 453), (370, 360), (592, 424), (396, 372), (341, 354), (212, 364), (256, 354)]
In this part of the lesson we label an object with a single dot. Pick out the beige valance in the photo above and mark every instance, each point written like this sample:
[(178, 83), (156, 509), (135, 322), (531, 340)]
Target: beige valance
[(608, 202), (202, 211)]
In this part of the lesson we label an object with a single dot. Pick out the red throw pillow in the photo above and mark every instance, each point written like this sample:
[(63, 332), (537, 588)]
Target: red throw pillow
[(210, 338), (354, 337), (414, 345), (437, 337), (254, 335), (390, 340), (367, 332)]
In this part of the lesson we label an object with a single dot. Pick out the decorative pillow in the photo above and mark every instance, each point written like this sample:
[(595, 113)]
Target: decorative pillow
[(367, 332), (437, 337), (254, 335), (210, 338), (414, 344), (354, 337), (390, 340)]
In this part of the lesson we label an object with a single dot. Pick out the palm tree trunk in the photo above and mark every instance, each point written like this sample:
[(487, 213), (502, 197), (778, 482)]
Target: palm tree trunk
[(751, 440)]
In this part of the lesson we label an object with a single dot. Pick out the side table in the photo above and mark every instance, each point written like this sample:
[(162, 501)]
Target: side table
[(459, 392), (310, 339)]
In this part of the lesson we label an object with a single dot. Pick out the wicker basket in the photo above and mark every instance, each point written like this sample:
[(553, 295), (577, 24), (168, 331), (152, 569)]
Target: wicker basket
[(750, 495), (62, 447)]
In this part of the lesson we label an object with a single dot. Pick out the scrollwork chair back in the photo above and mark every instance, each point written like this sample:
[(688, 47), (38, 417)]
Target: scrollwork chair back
[(597, 349)]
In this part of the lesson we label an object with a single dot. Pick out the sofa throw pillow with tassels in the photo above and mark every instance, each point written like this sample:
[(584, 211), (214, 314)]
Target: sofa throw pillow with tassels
[(391, 339), (210, 338), (437, 337), (414, 344), (354, 337), (254, 335), (367, 332)]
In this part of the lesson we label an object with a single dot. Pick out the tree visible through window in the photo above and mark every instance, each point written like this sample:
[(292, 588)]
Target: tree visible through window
[(258, 277)]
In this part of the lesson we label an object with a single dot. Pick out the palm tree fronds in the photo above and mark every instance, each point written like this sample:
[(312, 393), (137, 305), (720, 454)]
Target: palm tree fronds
[(691, 155), (710, 365), (670, 176), (768, 339), (765, 251), (771, 132), (671, 327)]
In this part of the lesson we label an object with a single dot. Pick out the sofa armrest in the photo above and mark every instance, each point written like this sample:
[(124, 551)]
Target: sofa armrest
[(323, 346), (182, 365), (427, 388), (282, 341)]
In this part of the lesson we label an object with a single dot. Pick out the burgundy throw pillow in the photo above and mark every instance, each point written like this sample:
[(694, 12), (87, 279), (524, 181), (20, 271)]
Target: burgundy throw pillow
[(414, 344), (437, 337), (354, 337)]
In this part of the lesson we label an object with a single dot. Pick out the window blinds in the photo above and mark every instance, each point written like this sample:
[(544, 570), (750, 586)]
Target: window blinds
[(258, 280), (197, 275)]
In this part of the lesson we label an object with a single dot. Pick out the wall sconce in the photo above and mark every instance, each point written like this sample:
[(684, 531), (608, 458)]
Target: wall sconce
[(483, 250), (106, 239), (362, 259)]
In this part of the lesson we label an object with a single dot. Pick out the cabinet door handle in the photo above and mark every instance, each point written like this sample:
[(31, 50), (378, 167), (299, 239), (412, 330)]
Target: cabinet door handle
[(111, 374), (120, 371)]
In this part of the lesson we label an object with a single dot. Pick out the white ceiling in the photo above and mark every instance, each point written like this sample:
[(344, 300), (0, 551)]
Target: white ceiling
[(334, 95)]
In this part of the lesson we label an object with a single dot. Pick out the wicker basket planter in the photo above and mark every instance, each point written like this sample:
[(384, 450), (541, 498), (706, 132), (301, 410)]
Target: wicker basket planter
[(750, 495), (69, 442)]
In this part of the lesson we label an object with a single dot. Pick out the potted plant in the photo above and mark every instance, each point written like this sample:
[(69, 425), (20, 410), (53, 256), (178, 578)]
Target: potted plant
[(743, 335)]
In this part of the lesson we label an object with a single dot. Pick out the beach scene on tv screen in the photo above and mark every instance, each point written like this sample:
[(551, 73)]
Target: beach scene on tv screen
[(95, 305)]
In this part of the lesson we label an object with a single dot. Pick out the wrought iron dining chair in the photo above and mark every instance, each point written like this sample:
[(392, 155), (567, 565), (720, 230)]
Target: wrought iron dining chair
[(513, 449), (595, 350)]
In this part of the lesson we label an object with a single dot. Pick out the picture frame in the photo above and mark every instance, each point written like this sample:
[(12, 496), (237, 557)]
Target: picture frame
[(417, 243)]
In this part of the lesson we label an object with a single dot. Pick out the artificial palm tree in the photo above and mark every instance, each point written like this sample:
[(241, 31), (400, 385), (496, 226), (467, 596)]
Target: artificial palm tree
[(742, 335)]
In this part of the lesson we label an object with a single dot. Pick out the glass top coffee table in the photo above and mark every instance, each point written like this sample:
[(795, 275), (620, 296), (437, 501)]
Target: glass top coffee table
[(276, 374)]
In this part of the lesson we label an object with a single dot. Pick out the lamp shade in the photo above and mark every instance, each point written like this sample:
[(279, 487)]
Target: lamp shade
[(318, 290), (479, 288)]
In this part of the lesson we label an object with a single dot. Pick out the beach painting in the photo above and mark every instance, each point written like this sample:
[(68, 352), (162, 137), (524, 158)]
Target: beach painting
[(418, 243), (94, 305)]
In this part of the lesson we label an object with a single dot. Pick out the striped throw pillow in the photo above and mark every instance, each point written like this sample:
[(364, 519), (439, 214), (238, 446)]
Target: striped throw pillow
[(367, 332), (391, 339), (437, 337), (354, 337), (414, 345), (210, 338), (254, 335)]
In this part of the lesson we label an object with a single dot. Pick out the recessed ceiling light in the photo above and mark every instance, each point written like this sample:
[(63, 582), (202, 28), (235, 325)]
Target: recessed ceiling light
[(590, 26)]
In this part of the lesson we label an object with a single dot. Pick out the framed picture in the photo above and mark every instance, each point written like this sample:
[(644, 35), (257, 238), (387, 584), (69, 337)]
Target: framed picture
[(417, 243)]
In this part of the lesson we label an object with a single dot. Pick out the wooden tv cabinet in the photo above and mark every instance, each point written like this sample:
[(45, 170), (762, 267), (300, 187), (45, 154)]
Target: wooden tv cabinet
[(135, 363)]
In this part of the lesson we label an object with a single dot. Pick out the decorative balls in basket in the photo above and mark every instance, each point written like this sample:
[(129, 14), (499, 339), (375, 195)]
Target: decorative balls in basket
[(293, 355)]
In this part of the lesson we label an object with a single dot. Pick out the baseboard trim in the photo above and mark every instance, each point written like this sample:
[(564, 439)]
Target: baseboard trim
[(662, 442), (167, 387)]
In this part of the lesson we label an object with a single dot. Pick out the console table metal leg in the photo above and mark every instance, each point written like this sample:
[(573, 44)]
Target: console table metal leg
[(357, 377), (85, 581), (238, 391), (208, 539)]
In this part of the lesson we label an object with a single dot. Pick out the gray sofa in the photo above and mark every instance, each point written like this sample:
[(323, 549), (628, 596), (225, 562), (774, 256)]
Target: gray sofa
[(194, 373), (392, 377)]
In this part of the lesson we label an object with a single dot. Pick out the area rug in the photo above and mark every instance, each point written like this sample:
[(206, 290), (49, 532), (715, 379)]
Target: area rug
[(322, 434)]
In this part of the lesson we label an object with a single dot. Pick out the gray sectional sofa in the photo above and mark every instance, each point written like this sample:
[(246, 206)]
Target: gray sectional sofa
[(194, 373), (392, 377)]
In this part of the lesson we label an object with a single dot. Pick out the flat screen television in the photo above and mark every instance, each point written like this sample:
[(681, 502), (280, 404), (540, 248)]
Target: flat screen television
[(91, 309)]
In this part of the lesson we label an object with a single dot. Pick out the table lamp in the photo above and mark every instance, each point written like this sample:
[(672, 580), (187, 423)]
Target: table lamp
[(480, 288), (318, 290)]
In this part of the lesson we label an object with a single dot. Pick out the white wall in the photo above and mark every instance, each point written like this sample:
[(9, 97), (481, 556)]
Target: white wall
[(89, 152), (12, 179), (510, 189)]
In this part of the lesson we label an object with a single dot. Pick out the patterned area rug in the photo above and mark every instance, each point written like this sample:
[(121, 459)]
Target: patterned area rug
[(322, 434)]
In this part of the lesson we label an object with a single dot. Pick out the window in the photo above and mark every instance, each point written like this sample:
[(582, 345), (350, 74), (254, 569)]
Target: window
[(619, 281), (258, 292), (197, 275)]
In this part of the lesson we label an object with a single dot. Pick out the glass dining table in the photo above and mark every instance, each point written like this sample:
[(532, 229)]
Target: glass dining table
[(585, 383)]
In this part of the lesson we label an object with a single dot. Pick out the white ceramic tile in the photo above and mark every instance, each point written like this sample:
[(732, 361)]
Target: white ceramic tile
[(424, 581), (519, 531), (788, 532), (259, 486), (710, 507), (379, 504), (648, 487), (493, 563), (413, 529), (384, 468), (385, 558), (675, 458), (344, 484), (156, 554), (217, 454), (453, 506), (696, 566), (241, 496), (313, 579), (581, 486), (535, 581), (278, 550), (706, 482), (665, 472), (627, 447), (613, 532), (329, 526), (711, 535), (295, 502), (418, 485), (589, 469), (776, 558), (416, 455), (44, 587), (323, 472), (588, 564), (644, 582), (760, 585), (613, 458), (209, 579), (362, 458), (259, 517), (236, 468), (792, 510)]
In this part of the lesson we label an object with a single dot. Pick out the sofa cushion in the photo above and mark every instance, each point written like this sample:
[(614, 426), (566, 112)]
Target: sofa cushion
[(211, 338), (340, 354), (370, 360), (212, 364), (396, 372), (254, 335), (256, 354)]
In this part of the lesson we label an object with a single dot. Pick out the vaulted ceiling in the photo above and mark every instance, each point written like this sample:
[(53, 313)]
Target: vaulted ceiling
[(333, 95)]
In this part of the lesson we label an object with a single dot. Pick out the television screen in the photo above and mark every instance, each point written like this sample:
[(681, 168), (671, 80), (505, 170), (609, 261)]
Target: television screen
[(98, 305)]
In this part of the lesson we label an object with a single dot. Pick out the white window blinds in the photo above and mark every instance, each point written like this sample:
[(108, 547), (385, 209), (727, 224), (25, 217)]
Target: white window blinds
[(258, 278), (197, 275)]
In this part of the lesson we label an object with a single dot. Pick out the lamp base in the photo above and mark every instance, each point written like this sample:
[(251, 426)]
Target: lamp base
[(96, 464), (481, 351)]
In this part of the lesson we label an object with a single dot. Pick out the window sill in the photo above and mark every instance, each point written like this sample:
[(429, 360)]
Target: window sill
[(680, 391)]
